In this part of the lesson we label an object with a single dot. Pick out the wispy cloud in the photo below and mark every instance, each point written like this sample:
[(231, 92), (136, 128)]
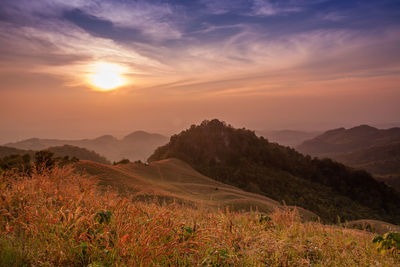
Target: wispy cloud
[(222, 39), (269, 8)]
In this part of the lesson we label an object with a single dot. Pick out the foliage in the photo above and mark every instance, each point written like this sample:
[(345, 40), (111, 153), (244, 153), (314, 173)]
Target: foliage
[(77, 152), (20, 163), (66, 152), (44, 160), (388, 242), (240, 158), (59, 218), (122, 161)]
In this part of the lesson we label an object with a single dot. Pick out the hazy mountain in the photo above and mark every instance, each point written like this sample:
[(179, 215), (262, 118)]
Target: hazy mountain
[(343, 140), (287, 137), (381, 160), (240, 158), (135, 146), (59, 151), (374, 150), (8, 151)]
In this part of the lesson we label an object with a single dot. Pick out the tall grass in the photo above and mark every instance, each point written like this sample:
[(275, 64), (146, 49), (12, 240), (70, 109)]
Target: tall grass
[(60, 218)]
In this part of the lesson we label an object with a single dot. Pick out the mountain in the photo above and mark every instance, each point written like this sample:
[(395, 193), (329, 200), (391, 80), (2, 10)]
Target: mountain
[(174, 180), (238, 157), (380, 160), (135, 146), (374, 150), (8, 151), (343, 140), (287, 137), (59, 151), (77, 152)]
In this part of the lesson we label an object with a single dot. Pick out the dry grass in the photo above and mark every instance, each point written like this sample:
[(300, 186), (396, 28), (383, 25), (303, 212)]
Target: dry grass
[(174, 180), (61, 219)]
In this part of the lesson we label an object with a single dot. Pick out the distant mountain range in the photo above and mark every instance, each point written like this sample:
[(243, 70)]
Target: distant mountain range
[(343, 140), (288, 137), (239, 158), (136, 146), (59, 151), (362, 147)]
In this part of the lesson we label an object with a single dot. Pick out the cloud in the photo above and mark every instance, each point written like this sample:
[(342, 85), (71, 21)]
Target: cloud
[(269, 8), (224, 6), (157, 20), (229, 41)]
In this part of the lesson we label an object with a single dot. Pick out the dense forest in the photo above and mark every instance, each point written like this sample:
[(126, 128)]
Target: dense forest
[(240, 158)]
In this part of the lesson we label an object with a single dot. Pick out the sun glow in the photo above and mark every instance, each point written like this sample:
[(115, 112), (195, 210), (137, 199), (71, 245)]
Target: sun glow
[(107, 76)]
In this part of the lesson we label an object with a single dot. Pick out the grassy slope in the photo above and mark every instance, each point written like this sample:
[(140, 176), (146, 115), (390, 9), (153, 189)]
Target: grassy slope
[(61, 219), (174, 180)]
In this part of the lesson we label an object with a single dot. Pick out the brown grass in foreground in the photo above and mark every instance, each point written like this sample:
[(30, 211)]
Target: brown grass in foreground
[(60, 218)]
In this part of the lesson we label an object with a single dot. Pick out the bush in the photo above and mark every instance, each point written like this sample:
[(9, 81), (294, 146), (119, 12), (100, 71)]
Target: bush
[(123, 161), (388, 242)]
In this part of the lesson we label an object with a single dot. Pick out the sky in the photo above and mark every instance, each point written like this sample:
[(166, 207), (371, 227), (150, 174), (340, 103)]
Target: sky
[(259, 64)]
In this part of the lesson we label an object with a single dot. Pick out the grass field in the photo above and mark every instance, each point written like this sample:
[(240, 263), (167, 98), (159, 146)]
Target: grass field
[(61, 218), (173, 180)]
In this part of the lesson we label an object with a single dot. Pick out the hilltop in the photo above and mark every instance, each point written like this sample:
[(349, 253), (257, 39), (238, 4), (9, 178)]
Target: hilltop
[(238, 157), (135, 146)]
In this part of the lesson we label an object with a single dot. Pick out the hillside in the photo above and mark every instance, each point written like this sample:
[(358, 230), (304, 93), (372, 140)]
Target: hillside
[(363, 147), (240, 158), (173, 180), (136, 146), (77, 152), (61, 218), (59, 151), (347, 140), (8, 151), (287, 137), (380, 160)]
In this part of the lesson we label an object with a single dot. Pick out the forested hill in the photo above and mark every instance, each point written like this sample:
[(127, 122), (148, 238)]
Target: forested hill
[(58, 151), (240, 158)]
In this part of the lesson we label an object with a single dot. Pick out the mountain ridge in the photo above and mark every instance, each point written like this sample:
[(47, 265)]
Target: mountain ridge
[(343, 140), (137, 145), (362, 147), (240, 158)]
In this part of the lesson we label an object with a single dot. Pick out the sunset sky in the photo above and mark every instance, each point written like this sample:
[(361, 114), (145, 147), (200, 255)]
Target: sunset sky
[(261, 64)]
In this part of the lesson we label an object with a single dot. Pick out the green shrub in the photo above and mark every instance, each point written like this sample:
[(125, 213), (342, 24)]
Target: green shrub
[(388, 242)]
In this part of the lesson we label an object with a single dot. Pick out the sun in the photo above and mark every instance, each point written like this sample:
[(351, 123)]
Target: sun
[(107, 76)]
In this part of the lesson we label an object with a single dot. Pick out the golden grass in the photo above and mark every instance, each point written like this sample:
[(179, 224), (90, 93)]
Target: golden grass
[(60, 218), (175, 180)]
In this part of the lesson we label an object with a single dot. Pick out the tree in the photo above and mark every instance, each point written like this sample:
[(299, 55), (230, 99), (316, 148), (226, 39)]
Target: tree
[(44, 160)]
